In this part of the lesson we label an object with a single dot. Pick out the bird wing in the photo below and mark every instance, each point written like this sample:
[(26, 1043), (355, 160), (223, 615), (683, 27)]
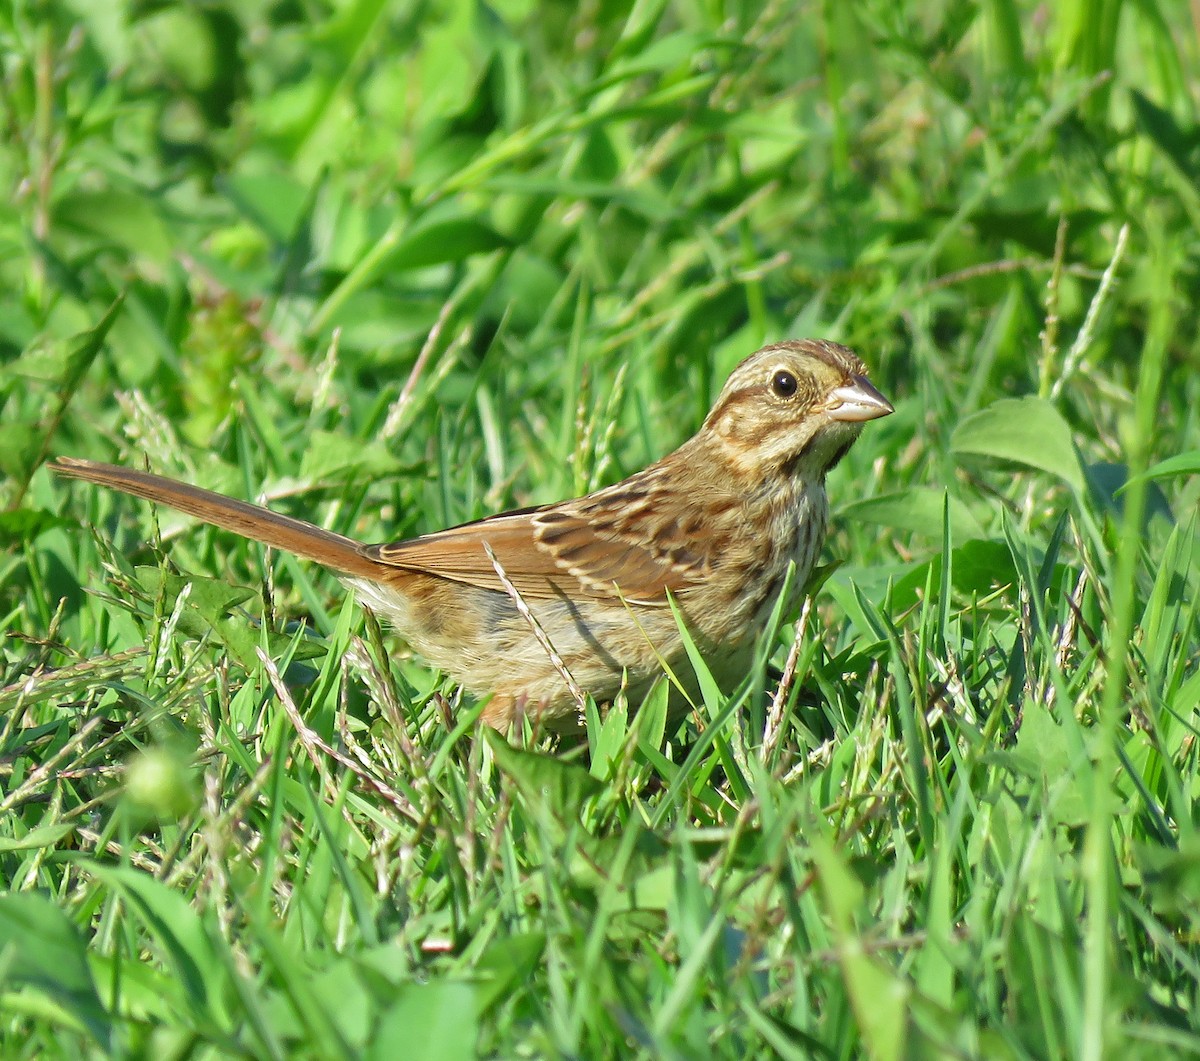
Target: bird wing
[(607, 545)]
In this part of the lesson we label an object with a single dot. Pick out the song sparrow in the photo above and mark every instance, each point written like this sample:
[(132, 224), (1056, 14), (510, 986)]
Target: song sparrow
[(714, 524)]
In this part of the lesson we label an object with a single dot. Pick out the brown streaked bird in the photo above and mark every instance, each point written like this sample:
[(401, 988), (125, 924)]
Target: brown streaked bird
[(714, 525)]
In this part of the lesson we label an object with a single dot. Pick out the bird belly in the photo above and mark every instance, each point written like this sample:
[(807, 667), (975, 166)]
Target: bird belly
[(482, 640)]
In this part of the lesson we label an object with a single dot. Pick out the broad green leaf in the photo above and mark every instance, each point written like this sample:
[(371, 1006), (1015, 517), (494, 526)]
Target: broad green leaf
[(180, 938), (23, 524), (211, 597), (118, 218), (1176, 146), (878, 996), (41, 948), (1043, 746), (506, 963), (357, 1004), (675, 51), (212, 607), (544, 781), (432, 241), (429, 1022), (274, 201), (331, 453), (42, 836), (1026, 431), (1172, 875), (917, 509), (978, 568), (1181, 464), (24, 442), (1109, 481), (20, 446)]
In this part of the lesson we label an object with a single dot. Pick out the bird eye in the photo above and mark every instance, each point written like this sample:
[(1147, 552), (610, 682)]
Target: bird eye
[(783, 384)]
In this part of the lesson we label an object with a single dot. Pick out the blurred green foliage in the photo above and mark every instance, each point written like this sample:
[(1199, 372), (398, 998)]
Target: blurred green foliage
[(395, 264)]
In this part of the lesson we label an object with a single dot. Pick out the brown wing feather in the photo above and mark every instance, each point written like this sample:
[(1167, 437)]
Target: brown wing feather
[(605, 545), (457, 554)]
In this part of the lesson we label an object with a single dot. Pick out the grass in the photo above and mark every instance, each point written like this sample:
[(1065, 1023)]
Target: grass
[(396, 266)]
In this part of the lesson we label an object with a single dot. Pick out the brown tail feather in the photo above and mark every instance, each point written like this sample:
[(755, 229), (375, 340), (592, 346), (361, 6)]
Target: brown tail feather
[(250, 521)]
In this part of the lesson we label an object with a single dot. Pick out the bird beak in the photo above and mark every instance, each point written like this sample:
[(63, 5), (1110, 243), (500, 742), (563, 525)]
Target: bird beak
[(857, 402)]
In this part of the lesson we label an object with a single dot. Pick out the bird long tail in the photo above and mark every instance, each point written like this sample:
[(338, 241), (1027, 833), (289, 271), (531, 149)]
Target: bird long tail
[(250, 521)]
